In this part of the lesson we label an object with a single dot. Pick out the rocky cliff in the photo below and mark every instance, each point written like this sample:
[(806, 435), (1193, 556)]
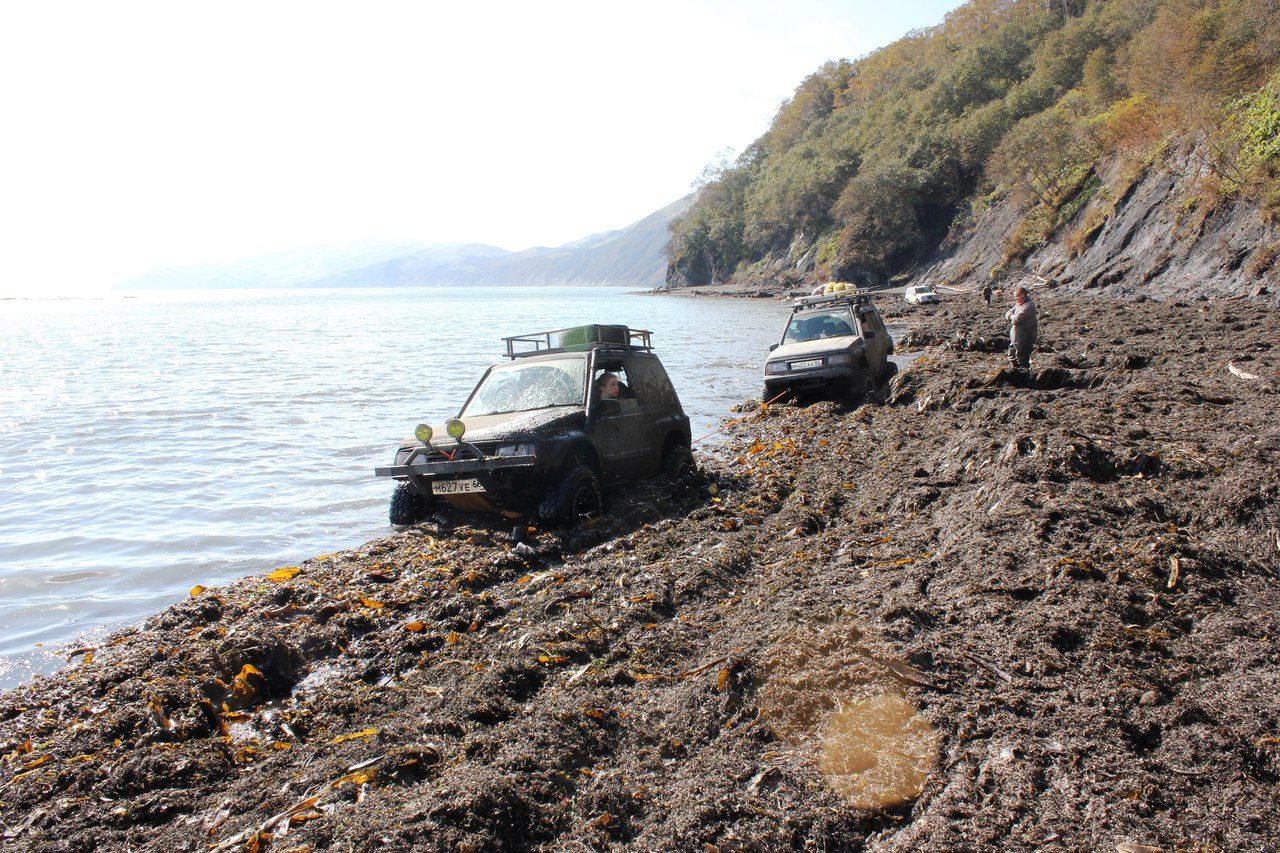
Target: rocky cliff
[(1155, 235), (1159, 238)]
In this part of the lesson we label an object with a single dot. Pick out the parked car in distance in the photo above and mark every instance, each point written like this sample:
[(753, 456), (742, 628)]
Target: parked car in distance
[(538, 439), (835, 346), (922, 294)]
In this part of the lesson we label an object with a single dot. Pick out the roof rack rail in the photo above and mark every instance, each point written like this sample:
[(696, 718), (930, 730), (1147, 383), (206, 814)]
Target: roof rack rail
[(578, 339), (843, 296)]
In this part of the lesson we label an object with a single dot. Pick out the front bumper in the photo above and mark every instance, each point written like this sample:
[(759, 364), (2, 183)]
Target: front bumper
[(807, 380), (456, 468), (506, 481)]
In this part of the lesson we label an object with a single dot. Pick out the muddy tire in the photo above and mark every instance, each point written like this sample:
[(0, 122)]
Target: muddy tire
[(678, 463), (576, 499), (777, 395), (408, 506), (859, 388)]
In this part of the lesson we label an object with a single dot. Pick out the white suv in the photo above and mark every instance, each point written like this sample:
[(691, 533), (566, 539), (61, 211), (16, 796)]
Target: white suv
[(834, 346), (922, 294)]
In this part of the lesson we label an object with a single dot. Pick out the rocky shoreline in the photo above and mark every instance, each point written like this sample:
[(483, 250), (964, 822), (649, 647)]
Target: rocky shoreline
[(996, 610)]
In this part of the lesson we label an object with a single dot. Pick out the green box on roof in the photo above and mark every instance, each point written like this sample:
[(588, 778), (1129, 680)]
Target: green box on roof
[(582, 337)]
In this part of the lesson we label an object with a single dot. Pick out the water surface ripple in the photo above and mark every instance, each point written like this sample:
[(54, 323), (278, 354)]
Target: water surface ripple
[(154, 443)]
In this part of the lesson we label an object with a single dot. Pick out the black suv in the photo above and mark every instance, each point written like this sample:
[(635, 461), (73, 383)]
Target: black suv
[(834, 346), (537, 437)]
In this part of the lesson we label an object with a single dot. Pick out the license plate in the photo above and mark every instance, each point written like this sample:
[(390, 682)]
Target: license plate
[(456, 487), (805, 365)]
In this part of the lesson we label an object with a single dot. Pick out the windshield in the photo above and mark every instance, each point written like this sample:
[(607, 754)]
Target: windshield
[(520, 386), (832, 323)]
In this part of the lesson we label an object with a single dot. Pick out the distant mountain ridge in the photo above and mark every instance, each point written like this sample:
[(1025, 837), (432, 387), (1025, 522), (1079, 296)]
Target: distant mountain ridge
[(631, 257)]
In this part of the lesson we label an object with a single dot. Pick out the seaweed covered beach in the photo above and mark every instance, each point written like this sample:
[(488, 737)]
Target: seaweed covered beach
[(993, 610)]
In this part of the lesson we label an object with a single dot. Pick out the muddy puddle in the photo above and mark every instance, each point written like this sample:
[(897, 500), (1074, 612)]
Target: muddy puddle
[(877, 751), (836, 694)]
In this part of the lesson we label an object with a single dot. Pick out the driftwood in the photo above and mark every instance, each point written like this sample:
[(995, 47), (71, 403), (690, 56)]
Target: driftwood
[(989, 666), (1243, 374)]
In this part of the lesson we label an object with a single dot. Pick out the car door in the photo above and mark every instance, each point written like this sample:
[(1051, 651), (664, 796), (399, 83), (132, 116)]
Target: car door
[(617, 431), (661, 416), (875, 336)]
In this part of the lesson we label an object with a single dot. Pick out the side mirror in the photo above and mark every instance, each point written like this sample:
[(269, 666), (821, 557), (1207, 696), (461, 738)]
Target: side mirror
[(772, 347)]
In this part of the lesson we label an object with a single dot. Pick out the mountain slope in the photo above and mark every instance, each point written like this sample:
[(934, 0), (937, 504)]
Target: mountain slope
[(631, 256), (1057, 120), (1158, 240), (279, 269)]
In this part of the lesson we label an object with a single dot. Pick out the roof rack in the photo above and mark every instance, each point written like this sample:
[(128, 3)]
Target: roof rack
[(578, 339), (829, 298)]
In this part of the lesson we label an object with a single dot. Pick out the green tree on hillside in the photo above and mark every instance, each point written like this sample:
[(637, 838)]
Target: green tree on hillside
[(867, 165)]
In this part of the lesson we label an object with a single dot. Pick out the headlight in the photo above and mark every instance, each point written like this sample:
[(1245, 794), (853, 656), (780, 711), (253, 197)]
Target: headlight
[(423, 433), (455, 428), (514, 450), (839, 358), (775, 367)]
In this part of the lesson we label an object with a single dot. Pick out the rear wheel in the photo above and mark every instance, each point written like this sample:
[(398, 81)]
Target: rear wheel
[(678, 463), (577, 498), (408, 506)]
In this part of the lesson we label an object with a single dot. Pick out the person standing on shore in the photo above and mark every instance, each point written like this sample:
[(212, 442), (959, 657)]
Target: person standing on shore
[(1023, 327)]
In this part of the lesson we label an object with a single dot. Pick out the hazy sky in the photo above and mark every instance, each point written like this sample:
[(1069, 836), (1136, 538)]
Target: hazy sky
[(145, 134)]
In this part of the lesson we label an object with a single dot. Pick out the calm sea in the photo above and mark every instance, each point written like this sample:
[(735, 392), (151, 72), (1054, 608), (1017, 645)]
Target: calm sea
[(154, 443)]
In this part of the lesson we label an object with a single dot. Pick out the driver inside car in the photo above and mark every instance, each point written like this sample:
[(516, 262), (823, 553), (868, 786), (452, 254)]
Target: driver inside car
[(610, 387)]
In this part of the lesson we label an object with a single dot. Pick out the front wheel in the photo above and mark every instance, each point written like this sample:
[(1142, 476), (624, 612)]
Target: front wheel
[(774, 395), (577, 498), (858, 388), (408, 505)]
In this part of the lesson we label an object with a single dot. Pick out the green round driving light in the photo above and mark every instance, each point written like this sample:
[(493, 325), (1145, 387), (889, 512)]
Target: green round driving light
[(455, 428), (423, 433)]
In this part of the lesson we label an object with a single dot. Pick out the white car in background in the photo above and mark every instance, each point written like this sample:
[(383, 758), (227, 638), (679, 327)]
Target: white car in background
[(922, 294)]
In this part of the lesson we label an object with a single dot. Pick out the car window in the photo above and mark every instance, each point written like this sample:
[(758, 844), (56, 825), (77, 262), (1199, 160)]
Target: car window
[(834, 323), (869, 320), (799, 329), (650, 383), (521, 386), (626, 390)]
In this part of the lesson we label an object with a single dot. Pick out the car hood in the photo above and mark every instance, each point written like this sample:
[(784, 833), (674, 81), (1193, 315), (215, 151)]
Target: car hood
[(811, 349), (511, 425)]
